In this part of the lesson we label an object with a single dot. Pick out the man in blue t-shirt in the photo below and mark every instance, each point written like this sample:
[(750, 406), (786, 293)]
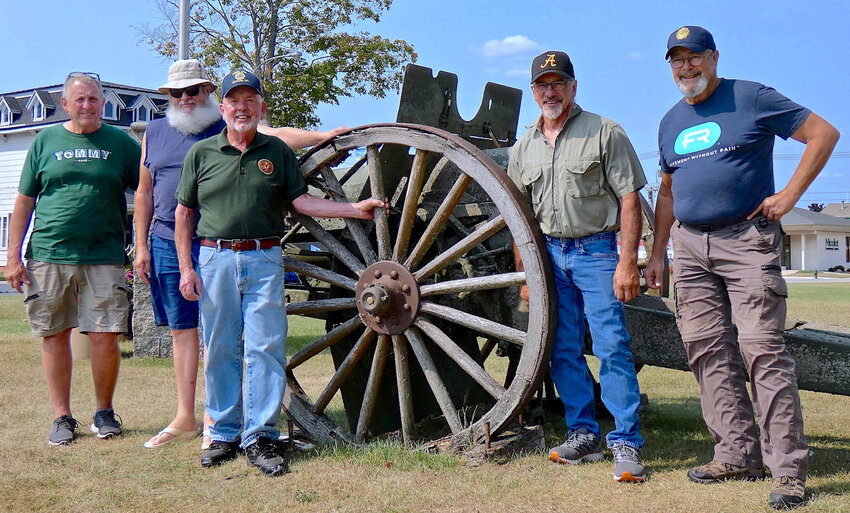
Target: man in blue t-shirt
[(716, 154)]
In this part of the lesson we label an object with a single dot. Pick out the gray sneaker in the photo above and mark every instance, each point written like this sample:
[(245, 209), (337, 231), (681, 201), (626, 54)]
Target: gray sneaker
[(105, 424), (787, 493), (62, 432), (628, 467), (581, 446)]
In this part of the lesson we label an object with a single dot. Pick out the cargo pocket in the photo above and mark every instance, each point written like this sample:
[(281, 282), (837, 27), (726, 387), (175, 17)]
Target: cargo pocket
[(773, 306), (584, 178)]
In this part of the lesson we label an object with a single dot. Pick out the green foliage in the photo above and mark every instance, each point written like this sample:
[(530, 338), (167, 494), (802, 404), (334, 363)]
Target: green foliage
[(301, 49)]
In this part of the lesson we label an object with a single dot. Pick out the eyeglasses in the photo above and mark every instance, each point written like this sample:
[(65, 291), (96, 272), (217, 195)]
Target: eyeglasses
[(541, 87), (191, 91), (83, 74), (693, 60)]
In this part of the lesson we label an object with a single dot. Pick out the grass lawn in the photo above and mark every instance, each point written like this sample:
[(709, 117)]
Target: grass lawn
[(120, 475)]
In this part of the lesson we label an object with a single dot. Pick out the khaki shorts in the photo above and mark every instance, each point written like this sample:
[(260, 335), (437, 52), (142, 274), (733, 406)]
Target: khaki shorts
[(64, 296)]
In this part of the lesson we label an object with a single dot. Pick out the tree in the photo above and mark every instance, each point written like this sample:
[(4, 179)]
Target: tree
[(816, 207), (300, 49)]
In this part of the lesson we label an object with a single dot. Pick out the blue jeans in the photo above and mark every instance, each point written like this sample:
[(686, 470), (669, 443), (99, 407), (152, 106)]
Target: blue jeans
[(584, 276), (170, 308), (243, 294)]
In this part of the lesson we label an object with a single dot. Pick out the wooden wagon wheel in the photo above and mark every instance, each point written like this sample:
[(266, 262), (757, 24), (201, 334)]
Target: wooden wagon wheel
[(387, 296)]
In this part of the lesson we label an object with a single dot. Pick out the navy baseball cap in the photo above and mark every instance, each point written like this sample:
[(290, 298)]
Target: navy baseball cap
[(692, 37), (240, 77), (552, 62)]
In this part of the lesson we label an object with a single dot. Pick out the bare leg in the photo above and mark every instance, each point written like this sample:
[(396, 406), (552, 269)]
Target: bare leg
[(57, 363), (186, 372), (105, 360)]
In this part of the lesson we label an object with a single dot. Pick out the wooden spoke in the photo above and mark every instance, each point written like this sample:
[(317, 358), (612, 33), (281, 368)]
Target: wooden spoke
[(472, 240), (376, 181), (474, 322), (411, 200), (331, 243), (457, 354), (353, 225), (405, 397), (292, 231), (488, 347), (438, 221), (344, 370), (320, 344), (320, 305), (356, 167), (434, 379), (367, 408), (320, 273), (497, 281)]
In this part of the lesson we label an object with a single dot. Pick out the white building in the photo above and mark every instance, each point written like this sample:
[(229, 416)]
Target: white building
[(24, 113), (815, 240)]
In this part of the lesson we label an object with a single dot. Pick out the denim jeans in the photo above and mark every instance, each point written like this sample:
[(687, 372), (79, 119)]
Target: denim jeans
[(243, 297), (170, 308), (584, 276)]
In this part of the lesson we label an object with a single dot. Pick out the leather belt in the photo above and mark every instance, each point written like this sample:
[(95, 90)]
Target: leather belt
[(708, 228), (242, 244)]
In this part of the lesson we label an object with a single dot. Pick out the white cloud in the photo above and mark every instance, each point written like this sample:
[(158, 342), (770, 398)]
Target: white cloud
[(511, 45), (517, 72), (634, 56)]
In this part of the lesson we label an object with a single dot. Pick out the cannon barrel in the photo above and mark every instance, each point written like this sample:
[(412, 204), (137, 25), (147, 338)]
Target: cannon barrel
[(822, 356)]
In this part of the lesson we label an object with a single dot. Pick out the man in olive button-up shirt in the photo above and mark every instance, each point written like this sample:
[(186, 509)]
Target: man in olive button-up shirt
[(582, 177)]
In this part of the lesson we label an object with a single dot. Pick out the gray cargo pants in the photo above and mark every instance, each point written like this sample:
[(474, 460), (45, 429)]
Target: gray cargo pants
[(733, 273)]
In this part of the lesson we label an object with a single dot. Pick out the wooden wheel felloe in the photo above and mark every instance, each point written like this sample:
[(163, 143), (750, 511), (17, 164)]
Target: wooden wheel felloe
[(431, 284)]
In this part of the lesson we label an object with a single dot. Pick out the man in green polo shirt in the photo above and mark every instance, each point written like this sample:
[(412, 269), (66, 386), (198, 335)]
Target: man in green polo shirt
[(582, 177), (241, 182), (74, 178)]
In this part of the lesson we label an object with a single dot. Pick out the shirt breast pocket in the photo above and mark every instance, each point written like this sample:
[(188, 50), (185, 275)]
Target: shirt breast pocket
[(584, 178), (533, 182)]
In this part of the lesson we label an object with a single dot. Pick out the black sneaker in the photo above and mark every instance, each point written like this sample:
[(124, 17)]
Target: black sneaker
[(219, 453), (105, 424), (62, 432), (265, 455)]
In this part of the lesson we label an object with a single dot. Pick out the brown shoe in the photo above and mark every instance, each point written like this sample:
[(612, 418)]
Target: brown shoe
[(787, 492), (717, 472)]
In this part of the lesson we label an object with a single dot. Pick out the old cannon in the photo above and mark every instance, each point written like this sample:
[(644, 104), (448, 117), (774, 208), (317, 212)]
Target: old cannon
[(433, 283)]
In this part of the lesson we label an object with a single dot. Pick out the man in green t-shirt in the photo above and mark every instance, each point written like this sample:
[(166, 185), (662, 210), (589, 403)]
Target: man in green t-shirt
[(74, 179), (241, 182)]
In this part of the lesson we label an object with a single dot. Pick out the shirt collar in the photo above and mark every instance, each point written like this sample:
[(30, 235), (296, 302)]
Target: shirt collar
[(260, 139)]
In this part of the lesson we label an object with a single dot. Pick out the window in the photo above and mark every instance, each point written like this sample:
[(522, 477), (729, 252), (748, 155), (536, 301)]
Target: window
[(5, 115), (109, 110), (847, 245), (37, 111), (143, 114), (4, 231)]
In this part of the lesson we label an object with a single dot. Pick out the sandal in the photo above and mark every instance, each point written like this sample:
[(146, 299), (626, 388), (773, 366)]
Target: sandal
[(176, 434), (206, 441)]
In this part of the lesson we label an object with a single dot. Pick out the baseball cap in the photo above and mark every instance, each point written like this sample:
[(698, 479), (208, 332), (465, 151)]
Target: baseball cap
[(240, 77), (185, 73), (692, 37), (552, 62)]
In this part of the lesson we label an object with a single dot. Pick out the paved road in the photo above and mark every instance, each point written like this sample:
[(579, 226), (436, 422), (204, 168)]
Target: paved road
[(6, 289), (811, 279)]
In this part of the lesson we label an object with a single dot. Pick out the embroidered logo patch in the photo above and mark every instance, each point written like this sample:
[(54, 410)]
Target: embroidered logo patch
[(239, 76), (266, 166), (682, 33)]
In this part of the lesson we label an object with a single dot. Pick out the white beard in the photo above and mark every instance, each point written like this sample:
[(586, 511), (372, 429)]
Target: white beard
[(198, 120), (697, 90)]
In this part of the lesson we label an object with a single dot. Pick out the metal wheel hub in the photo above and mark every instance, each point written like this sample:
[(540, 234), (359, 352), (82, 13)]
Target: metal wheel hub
[(387, 297)]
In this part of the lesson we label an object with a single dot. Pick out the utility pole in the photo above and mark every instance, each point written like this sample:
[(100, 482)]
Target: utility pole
[(183, 35)]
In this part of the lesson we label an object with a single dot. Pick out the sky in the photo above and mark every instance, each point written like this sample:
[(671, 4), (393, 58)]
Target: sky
[(802, 49)]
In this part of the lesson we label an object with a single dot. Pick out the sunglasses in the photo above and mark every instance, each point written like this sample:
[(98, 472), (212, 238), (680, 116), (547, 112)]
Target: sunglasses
[(83, 73), (191, 91)]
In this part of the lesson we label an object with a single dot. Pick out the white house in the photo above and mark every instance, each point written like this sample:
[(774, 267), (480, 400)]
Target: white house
[(24, 113), (815, 240)]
